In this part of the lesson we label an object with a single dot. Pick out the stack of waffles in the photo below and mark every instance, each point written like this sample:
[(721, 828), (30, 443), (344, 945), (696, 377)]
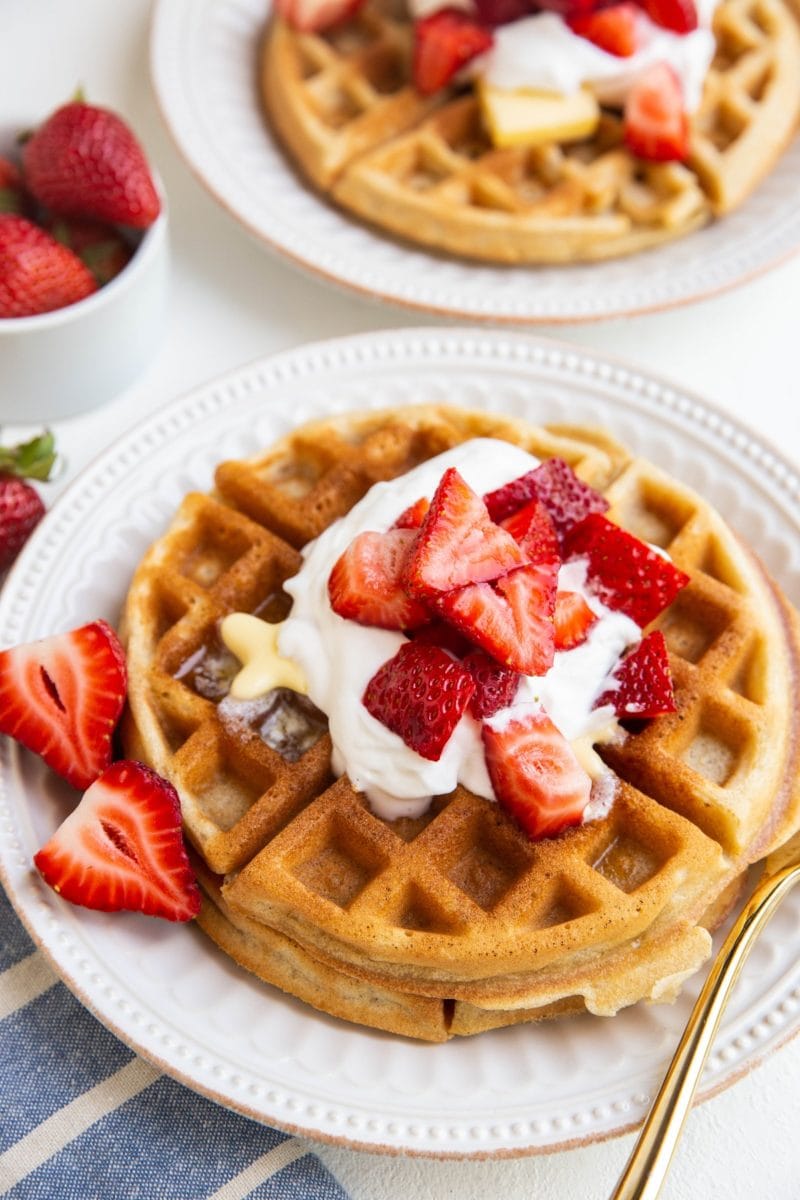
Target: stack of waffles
[(455, 922), (344, 106)]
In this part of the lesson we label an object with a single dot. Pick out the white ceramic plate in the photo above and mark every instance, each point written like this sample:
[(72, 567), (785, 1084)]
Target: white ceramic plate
[(167, 991), (204, 61)]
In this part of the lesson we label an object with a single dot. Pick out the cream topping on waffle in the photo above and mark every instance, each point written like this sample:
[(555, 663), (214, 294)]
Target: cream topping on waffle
[(541, 53), (339, 657)]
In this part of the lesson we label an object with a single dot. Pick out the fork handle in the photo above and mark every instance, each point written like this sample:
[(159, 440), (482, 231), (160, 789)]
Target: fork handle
[(646, 1169)]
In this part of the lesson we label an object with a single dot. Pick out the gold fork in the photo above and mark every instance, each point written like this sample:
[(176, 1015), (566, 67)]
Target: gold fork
[(646, 1169)]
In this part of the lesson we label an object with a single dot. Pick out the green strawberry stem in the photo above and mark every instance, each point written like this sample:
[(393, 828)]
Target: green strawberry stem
[(30, 460)]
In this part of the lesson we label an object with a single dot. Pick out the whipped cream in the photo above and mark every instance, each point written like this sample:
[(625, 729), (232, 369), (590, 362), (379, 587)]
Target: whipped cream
[(542, 53), (339, 657)]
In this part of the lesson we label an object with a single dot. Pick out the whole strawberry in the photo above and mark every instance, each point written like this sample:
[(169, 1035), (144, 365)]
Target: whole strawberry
[(101, 247), (84, 161), (12, 189), (21, 507), (37, 274)]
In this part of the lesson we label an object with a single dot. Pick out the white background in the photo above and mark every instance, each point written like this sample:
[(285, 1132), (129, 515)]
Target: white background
[(232, 302)]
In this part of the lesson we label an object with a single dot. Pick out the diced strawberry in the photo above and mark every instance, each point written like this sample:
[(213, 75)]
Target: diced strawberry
[(566, 497), (678, 15), (655, 123), (512, 619), (314, 16), (122, 848), (421, 695), (495, 686), (366, 583), (535, 774), (61, 698), (626, 574), (441, 633), (502, 12), (458, 543), (574, 618), (644, 682), (413, 516), (613, 29), (443, 43), (532, 527)]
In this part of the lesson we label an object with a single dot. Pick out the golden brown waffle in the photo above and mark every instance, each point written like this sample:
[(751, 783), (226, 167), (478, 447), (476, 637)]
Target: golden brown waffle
[(425, 169), (457, 907)]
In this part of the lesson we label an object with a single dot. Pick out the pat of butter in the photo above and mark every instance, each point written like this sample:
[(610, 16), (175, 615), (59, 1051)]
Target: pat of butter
[(255, 643), (531, 118), (584, 748)]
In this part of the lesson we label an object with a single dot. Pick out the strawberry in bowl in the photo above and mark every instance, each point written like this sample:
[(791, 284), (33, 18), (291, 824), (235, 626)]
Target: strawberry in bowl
[(83, 262)]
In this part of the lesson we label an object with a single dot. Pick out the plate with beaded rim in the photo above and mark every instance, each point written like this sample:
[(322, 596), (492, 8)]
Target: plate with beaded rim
[(166, 990), (203, 58)]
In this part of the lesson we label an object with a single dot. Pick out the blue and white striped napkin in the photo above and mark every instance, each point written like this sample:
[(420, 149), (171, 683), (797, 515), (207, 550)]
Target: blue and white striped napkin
[(83, 1118)]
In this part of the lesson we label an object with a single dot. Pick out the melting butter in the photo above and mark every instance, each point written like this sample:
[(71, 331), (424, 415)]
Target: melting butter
[(255, 643)]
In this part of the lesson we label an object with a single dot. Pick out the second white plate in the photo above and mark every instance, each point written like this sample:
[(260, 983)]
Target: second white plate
[(204, 64), (167, 991)]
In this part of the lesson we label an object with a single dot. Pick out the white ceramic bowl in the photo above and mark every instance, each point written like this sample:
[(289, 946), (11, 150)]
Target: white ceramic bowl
[(72, 359)]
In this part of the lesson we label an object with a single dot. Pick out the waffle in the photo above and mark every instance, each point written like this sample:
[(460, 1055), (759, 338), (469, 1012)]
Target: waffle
[(454, 921), (343, 105)]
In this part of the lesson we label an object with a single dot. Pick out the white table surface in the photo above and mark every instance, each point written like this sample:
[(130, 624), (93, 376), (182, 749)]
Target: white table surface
[(232, 302)]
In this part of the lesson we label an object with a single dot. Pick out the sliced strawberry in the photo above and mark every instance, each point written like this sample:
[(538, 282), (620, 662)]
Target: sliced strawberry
[(534, 772), (655, 124), (444, 43), (678, 15), (574, 618), (512, 620), (441, 633), (366, 585), (613, 29), (566, 497), (532, 527), (122, 848), (421, 695), (502, 12), (568, 9), (458, 543), (644, 682), (413, 516), (61, 698), (626, 574), (495, 686), (314, 16)]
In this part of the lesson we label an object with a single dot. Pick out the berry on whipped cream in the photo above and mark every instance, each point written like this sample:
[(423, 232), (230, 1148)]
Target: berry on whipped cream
[(414, 711)]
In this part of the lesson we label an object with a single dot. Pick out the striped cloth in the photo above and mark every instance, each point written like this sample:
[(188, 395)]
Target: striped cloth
[(83, 1118)]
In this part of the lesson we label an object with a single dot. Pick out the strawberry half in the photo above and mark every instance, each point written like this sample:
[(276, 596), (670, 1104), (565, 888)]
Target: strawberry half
[(624, 572), (366, 583), (61, 698), (512, 619), (122, 848), (566, 497), (574, 618), (495, 686), (421, 695), (535, 774), (458, 543), (655, 123), (444, 43), (613, 29), (644, 682), (413, 516), (532, 527)]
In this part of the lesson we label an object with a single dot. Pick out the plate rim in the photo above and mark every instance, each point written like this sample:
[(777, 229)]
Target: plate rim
[(534, 356)]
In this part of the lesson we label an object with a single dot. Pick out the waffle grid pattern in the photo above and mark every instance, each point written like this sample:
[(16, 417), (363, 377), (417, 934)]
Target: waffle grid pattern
[(425, 169), (456, 904)]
